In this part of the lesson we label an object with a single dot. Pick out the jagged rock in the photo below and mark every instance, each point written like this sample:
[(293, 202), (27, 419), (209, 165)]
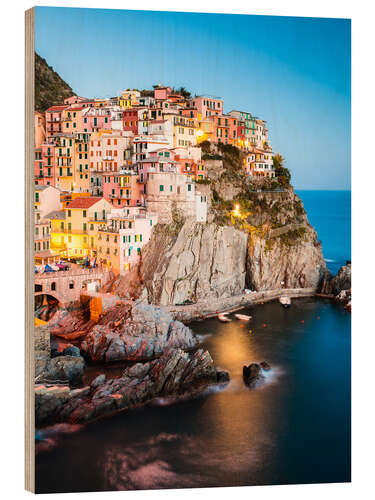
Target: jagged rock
[(99, 380), (222, 376), (65, 368), (252, 374), (342, 281), (144, 334), (277, 249), (71, 350), (205, 260), (273, 263), (174, 373)]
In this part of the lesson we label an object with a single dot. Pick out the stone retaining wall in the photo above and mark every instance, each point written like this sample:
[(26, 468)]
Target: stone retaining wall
[(209, 309)]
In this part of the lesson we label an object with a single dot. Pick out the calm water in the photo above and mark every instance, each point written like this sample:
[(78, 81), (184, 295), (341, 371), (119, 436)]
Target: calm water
[(295, 428), (330, 214)]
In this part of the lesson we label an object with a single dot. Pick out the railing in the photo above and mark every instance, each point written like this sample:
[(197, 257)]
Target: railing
[(71, 272)]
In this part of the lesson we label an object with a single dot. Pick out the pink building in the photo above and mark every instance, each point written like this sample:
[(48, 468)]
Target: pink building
[(74, 99), (109, 152), (123, 189), (96, 119), (54, 117), (44, 165), (161, 92), (208, 106)]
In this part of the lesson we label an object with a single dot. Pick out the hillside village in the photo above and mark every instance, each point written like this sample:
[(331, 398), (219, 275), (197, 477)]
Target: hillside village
[(108, 170)]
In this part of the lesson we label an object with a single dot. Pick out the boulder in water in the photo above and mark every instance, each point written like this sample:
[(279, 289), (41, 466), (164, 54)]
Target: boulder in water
[(252, 374)]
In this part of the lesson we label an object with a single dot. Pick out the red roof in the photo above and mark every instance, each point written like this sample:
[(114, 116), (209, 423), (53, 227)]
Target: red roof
[(56, 108), (86, 202)]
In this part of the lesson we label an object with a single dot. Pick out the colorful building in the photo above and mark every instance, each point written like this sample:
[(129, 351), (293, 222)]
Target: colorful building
[(123, 189), (54, 121), (208, 106), (74, 234)]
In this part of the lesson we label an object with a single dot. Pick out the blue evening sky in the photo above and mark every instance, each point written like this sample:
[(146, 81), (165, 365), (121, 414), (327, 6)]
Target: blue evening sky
[(292, 72)]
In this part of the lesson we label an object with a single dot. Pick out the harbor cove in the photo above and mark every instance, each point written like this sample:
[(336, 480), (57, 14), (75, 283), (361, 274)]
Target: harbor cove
[(293, 428)]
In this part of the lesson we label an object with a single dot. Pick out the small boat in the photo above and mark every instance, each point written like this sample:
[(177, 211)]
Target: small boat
[(285, 301), (223, 317), (243, 317)]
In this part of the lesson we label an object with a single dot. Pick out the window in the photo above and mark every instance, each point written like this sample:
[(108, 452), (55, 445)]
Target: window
[(189, 187), (71, 285), (84, 227), (84, 213), (171, 188), (161, 187), (69, 226), (53, 286), (69, 213)]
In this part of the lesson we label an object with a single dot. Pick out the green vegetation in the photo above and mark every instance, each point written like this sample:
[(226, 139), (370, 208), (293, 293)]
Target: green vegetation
[(292, 237), (182, 91), (282, 173), (50, 88)]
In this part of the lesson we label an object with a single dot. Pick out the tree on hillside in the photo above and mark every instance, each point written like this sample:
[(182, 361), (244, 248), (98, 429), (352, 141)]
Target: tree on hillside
[(182, 91), (282, 173)]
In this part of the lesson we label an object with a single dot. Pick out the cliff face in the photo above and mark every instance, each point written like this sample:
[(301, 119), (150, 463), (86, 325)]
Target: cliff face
[(270, 245), (200, 261), (295, 264), (283, 249)]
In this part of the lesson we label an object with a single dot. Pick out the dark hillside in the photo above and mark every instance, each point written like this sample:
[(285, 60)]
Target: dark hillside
[(50, 88)]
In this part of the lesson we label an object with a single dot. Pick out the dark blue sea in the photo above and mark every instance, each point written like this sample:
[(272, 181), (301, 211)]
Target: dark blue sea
[(329, 212), (293, 428)]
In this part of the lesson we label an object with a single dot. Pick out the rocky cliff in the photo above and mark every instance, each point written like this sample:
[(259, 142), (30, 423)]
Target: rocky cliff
[(257, 236), (174, 373), (200, 261)]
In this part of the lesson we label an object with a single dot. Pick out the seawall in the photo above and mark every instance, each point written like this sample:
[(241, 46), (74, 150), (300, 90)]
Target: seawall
[(210, 308)]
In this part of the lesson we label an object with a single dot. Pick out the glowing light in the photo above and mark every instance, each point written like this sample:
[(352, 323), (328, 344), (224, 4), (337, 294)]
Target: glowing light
[(236, 211), (200, 133)]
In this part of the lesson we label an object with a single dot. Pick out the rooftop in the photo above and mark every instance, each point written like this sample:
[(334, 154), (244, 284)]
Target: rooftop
[(84, 202)]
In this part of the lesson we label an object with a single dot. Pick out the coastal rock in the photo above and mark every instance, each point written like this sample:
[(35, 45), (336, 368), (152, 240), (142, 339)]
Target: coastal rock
[(275, 247), (174, 373), (143, 335), (252, 374), (99, 380), (65, 369), (288, 260), (202, 261), (222, 376), (342, 281)]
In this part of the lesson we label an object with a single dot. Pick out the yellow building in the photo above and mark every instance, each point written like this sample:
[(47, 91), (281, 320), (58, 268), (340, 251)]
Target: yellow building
[(64, 157), (74, 230), (129, 98), (81, 177)]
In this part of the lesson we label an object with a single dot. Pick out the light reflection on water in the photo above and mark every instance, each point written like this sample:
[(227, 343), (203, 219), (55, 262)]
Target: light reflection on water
[(293, 428)]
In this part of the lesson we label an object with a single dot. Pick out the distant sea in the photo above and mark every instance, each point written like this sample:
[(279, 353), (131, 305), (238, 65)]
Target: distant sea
[(329, 212)]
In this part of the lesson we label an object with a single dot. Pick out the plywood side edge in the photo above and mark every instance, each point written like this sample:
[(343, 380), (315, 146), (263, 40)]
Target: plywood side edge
[(29, 253)]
